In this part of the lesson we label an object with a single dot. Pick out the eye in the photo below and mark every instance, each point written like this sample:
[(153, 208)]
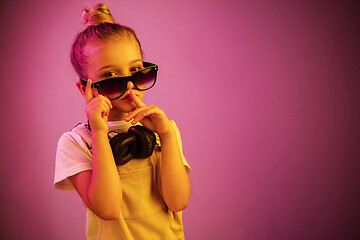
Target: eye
[(135, 69), (110, 74)]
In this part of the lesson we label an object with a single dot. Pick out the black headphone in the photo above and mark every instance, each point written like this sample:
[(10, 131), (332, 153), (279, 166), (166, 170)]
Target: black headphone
[(138, 142)]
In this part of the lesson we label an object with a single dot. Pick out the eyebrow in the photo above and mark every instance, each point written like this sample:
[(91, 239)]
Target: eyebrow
[(107, 66)]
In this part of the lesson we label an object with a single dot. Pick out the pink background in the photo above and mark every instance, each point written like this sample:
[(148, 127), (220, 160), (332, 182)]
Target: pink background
[(265, 93)]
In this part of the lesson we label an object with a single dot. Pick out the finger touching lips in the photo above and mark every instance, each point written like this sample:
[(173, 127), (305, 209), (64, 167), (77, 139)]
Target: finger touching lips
[(137, 101)]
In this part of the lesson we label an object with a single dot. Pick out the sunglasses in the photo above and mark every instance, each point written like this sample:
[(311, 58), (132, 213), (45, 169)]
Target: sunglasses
[(115, 87)]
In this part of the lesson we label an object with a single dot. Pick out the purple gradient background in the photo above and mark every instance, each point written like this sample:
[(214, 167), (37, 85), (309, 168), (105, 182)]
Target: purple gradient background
[(265, 93)]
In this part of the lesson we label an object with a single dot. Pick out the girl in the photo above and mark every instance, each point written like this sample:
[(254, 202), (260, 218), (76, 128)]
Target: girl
[(141, 199)]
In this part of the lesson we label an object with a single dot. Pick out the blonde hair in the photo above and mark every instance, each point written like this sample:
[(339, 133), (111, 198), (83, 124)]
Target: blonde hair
[(98, 14), (100, 25)]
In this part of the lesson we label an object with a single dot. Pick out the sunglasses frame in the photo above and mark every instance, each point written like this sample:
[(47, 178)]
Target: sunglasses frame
[(147, 65)]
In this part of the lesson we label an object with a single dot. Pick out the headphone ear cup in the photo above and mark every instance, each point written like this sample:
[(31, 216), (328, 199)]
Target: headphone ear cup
[(123, 147), (146, 141)]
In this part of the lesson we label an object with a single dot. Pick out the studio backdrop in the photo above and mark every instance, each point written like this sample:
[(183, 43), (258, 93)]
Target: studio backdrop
[(265, 94)]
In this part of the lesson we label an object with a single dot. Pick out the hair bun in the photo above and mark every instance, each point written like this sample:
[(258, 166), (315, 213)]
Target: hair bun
[(100, 13)]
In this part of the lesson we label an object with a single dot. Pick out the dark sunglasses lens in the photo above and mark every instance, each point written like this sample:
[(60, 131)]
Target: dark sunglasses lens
[(145, 78), (112, 88)]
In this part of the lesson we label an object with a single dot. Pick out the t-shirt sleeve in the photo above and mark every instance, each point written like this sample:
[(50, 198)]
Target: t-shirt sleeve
[(178, 138), (72, 156)]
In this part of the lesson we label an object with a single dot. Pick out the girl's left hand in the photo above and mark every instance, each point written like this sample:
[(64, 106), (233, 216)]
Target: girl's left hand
[(151, 117)]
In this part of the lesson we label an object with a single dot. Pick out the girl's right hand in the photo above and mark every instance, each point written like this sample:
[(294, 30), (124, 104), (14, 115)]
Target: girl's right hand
[(97, 110)]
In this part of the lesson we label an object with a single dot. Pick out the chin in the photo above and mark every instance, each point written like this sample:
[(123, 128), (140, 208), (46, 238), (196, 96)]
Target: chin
[(125, 107)]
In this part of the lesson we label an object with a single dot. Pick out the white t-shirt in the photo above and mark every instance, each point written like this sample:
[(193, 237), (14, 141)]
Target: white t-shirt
[(144, 214)]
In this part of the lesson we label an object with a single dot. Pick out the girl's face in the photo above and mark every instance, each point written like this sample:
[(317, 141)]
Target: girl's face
[(115, 58)]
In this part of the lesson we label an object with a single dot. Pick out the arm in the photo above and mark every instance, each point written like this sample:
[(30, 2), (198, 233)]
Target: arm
[(175, 181), (100, 189)]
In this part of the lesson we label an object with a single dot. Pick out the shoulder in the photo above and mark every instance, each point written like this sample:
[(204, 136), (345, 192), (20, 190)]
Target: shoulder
[(79, 135), (174, 126), (176, 129), (73, 155)]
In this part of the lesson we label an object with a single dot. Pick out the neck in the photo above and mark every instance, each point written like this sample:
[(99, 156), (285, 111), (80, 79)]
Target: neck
[(117, 116)]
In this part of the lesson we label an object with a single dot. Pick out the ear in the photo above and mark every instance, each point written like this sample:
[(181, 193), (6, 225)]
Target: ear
[(81, 88)]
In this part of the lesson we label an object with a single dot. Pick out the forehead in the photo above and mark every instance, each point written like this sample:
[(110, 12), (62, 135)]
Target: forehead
[(112, 51)]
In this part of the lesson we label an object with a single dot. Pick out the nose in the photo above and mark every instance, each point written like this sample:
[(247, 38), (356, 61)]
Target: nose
[(129, 85)]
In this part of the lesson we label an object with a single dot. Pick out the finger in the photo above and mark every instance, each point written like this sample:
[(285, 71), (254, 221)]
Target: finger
[(96, 111), (88, 91), (99, 101), (133, 114), (140, 116), (151, 112), (137, 101), (106, 100)]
